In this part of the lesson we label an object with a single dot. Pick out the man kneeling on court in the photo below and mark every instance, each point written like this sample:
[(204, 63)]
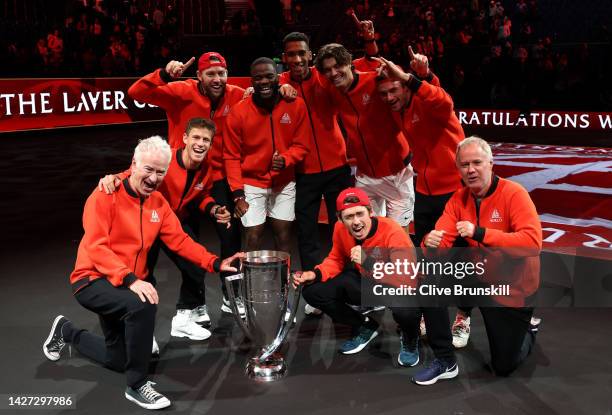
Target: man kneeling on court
[(111, 277), (337, 281)]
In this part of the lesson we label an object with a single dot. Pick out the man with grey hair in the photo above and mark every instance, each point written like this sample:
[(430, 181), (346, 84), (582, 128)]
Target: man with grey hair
[(111, 277), (489, 212)]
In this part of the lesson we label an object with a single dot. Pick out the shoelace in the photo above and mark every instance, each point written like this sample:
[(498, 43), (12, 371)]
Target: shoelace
[(148, 392), (57, 344), (407, 347)]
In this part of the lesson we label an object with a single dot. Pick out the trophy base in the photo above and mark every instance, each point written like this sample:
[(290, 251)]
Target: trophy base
[(273, 368)]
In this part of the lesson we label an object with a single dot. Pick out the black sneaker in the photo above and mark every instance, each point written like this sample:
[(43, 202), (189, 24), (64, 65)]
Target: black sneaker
[(438, 369), (147, 397), (52, 347)]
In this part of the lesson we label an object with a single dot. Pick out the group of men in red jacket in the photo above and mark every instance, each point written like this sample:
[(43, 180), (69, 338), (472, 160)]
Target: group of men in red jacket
[(270, 155)]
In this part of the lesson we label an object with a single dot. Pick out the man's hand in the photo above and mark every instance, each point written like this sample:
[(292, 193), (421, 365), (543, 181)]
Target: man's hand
[(248, 92), (356, 254), (176, 68), (465, 229), (226, 264), (278, 162), (221, 214), (433, 239), (241, 207), (418, 63), (392, 70), (366, 30), (146, 291), (109, 184), (288, 92), (303, 278)]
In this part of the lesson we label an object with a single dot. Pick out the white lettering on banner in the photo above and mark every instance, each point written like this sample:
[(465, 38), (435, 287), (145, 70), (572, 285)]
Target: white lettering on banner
[(605, 122), (96, 100), (533, 120), (25, 103)]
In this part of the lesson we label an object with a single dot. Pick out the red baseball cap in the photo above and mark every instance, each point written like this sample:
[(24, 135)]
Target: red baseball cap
[(360, 195), (211, 59)]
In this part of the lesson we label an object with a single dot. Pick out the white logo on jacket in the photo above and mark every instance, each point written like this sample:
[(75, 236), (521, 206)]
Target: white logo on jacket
[(154, 216), (226, 110), (495, 216), (285, 119), (365, 99), (199, 186), (415, 118)]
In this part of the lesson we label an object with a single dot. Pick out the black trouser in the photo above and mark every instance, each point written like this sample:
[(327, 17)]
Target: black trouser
[(333, 296), (510, 339), (229, 238), (427, 211), (127, 324), (191, 293), (309, 190)]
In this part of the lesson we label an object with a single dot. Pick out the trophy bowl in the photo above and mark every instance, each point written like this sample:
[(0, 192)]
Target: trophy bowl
[(264, 285)]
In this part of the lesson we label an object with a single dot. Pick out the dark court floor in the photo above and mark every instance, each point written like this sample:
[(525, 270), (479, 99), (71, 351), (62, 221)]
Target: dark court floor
[(44, 180)]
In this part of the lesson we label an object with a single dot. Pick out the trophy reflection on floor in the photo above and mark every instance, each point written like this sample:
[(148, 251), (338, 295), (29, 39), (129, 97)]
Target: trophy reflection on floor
[(265, 285)]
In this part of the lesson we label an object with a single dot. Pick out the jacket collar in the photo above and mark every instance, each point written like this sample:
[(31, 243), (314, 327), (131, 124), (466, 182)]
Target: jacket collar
[(129, 190)]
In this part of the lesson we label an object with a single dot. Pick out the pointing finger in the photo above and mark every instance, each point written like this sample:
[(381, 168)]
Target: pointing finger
[(410, 52), (189, 63)]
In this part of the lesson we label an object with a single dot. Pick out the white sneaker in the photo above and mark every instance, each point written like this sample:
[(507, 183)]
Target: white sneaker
[(461, 331), (225, 306), (422, 328), (311, 311), (200, 315), (155, 348), (183, 326)]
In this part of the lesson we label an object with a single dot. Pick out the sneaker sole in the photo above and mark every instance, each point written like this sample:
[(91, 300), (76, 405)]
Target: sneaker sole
[(361, 346), (446, 375), (459, 344), (412, 365), (373, 310), (176, 333), (49, 337), (159, 405)]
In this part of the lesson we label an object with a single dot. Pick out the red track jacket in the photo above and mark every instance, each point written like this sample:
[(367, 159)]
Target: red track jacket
[(182, 100), (119, 231), (375, 139), (385, 233), (252, 135), (506, 218), (327, 148), (433, 131)]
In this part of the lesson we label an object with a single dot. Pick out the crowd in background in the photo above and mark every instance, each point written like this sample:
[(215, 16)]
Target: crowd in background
[(487, 53)]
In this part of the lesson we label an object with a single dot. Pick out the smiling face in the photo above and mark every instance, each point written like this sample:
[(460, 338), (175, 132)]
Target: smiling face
[(339, 75), (476, 168), (264, 80), (394, 94), (358, 221), (148, 172), (197, 143), (297, 55), (214, 80)]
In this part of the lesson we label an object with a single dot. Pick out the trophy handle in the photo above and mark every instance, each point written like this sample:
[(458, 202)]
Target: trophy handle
[(286, 326), (232, 300)]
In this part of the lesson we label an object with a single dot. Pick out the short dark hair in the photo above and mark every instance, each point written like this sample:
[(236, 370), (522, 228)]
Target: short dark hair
[(262, 60), (204, 123), (336, 51), (296, 37)]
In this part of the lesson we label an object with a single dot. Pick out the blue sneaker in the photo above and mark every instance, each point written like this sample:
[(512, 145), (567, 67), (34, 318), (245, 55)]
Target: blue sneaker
[(438, 369), (409, 351), (365, 334)]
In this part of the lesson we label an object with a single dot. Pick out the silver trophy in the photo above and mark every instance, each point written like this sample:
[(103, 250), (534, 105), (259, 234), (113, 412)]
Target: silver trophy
[(264, 285)]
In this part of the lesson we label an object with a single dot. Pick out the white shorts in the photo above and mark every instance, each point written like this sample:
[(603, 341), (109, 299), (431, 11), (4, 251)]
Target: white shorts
[(275, 203), (393, 195)]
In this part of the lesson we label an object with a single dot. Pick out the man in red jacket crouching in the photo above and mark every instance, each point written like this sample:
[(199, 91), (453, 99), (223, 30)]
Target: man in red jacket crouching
[(111, 277), (360, 240)]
